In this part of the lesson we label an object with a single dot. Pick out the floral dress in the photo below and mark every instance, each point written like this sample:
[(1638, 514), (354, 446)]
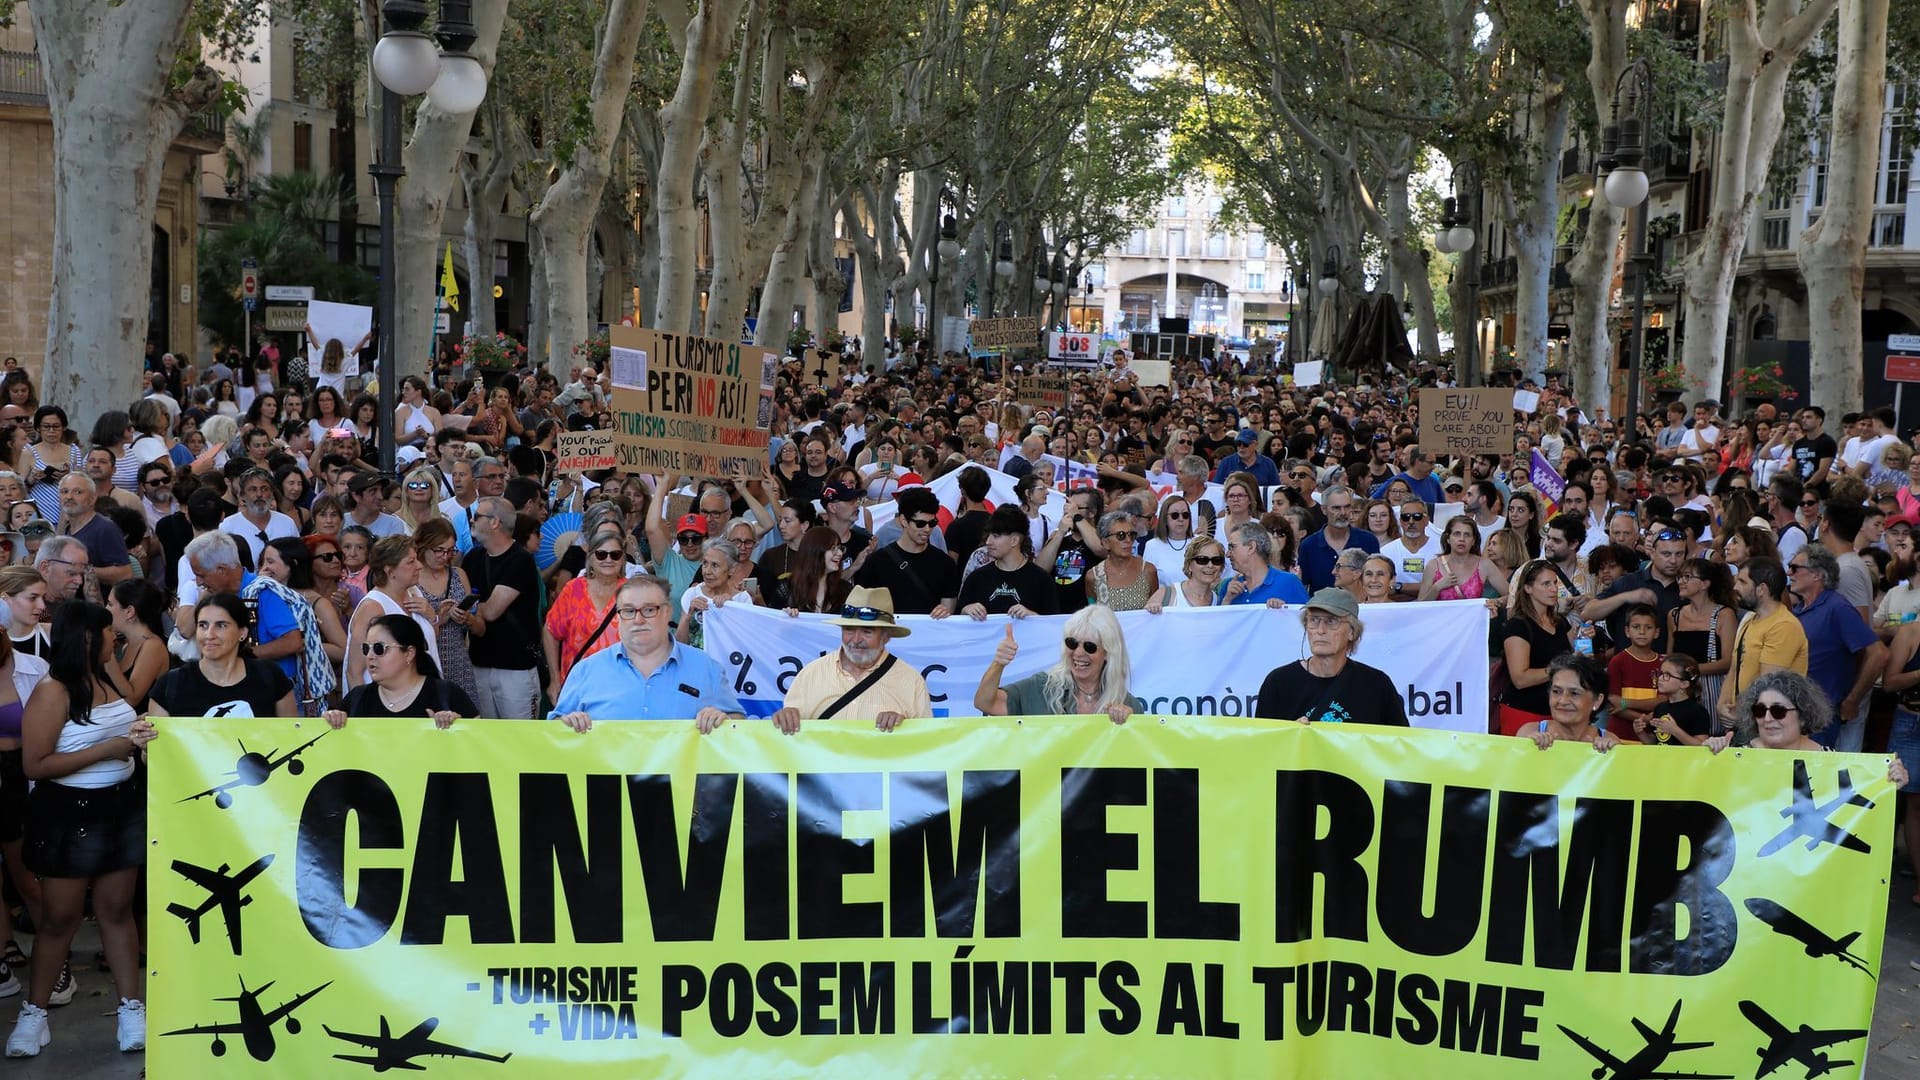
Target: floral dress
[(455, 666)]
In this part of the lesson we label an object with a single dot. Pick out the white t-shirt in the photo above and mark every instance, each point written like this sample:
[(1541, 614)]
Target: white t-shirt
[(1871, 450), (1487, 531), (279, 526), (1410, 564)]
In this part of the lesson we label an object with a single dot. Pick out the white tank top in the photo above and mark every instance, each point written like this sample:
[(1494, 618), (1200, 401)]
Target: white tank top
[(108, 721), (388, 606)]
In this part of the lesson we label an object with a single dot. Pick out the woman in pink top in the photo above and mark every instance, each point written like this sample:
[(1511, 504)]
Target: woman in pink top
[(1461, 572)]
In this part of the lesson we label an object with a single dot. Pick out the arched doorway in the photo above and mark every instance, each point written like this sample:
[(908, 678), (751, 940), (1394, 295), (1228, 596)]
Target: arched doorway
[(1202, 301)]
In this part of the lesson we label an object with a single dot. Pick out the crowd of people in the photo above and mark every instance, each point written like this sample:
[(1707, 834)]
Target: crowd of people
[(229, 546)]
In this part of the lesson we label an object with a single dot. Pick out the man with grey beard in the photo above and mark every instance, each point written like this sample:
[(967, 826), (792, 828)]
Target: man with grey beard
[(258, 522)]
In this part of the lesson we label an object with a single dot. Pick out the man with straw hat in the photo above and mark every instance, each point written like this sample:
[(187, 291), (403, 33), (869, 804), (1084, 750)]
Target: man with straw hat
[(861, 679)]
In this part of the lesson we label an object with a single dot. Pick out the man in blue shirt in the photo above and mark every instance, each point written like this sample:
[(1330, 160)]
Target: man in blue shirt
[(215, 561), (1844, 655), (1255, 581), (1419, 477), (1319, 551), (1248, 460), (650, 676)]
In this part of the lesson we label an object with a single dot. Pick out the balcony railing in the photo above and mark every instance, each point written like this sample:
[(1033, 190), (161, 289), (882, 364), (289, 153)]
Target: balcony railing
[(22, 82)]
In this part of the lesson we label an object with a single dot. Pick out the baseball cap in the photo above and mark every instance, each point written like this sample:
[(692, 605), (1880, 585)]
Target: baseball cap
[(1454, 483), (1247, 437), (696, 523), (834, 493), (1336, 601), (365, 480), (408, 455)]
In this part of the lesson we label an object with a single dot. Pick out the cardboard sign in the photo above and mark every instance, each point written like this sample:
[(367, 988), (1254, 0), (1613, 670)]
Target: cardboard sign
[(1153, 372), (1466, 421), (697, 406), (1041, 390), (995, 335), (1309, 372), (583, 451)]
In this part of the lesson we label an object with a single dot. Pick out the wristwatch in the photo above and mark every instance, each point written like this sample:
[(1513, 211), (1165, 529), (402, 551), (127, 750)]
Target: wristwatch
[(1397, 585)]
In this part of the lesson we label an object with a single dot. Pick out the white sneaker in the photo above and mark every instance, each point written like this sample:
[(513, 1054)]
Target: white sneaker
[(9, 985), (132, 1025), (63, 987), (29, 1032)]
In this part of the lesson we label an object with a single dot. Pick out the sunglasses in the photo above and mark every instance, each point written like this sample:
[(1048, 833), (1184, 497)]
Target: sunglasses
[(1413, 517), (327, 556), (419, 485), (1778, 712), (1301, 476), (1809, 502), (1181, 514), (923, 523), (378, 648), (1209, 560), (866, 614), (1088, 647), (690, 538), (609, 556), (1117, 535), (1668, 534)]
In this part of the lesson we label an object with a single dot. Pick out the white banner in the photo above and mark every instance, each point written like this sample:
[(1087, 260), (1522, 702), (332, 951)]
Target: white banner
[(1192, 662), (947, 489), (1072, 349)]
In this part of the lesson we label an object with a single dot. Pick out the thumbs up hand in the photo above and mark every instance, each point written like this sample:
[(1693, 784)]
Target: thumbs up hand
[(1007, 650)]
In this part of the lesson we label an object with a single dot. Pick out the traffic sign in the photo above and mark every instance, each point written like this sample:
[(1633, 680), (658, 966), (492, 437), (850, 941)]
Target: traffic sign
[(1903, 368), (293, 294)]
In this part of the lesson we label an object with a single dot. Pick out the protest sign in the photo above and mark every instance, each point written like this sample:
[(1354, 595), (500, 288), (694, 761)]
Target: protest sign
[(583, 451), (697, 406), (1153, 372), (1041, 390), (1073, 349), (1308, 372), (1000, 335), (1466, 421)]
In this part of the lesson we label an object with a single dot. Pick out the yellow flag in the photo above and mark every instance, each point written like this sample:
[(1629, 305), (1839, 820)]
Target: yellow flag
[(449, 286)]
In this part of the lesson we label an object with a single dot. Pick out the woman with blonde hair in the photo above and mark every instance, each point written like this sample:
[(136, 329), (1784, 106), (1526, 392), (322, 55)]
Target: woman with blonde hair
[(25, 593), (1204, 562), (1090, 676), (1244, 504), (418, 502)]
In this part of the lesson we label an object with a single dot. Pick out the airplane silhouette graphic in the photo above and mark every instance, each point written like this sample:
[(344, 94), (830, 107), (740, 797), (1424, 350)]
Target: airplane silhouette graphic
[(397, 1052), (1809, 821), (253, 769), (255, 1026), (1644, 1065), (1800, 1046), (1818, 944), (223, 892)]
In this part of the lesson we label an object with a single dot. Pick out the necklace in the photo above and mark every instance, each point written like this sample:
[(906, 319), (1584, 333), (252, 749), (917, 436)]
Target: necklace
[(398, 700), (1179, 546)]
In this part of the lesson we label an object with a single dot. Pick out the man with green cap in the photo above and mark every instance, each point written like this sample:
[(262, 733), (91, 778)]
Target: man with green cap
[(1329, 686)]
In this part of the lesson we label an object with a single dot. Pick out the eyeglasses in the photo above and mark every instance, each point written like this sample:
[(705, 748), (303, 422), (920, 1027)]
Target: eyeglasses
[(1671, 478), (159, 483), (609, 556), (419, 485), (642, 611), (1119, 535), (1088, 647), (690, 538), (327, 556), (444, 552), (1778, 711), (379, 648), (1180, 514), (1797, 567), (1673, 676), (866, 614), (1809, 502), (70, 562), (1668, 534), (1413, 517), (1300, 476), (1209, 560), (923, 523)]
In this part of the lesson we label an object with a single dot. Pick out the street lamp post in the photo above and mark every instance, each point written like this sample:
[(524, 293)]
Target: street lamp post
[(1058, 276), (1624, 184), (1002, 263), (1455, 237), (407, 63), (948, 248)]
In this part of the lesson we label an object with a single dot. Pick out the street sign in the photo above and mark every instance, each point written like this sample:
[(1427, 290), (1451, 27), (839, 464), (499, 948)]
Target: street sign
[(286, 318), (442, 323), (295, 294), (1903, 368), (250, 284)]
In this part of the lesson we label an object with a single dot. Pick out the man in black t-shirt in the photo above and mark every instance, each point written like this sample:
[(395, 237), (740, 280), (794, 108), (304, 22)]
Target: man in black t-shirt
[(1011, 584), (1814, 451), (968, 526), (1329, 686), (504, 629), (923, 580)]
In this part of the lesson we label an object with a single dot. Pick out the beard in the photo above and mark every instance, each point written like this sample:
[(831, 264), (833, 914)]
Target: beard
[(260, 507), (1747, 603)]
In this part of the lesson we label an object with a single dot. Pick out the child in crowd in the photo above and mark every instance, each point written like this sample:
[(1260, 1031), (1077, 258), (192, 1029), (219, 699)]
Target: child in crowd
[(1679, 719), (1632, 671)]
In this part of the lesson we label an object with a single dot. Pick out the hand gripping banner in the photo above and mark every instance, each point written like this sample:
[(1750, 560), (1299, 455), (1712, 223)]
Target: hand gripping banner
[(1177, 897)]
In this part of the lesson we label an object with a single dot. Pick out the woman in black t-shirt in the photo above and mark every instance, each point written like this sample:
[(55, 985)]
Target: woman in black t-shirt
[(406, 681), (224, 682), (1532, 638)]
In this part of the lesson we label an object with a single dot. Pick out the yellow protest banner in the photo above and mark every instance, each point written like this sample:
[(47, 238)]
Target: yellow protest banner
[(1176, 897), (697, 406)]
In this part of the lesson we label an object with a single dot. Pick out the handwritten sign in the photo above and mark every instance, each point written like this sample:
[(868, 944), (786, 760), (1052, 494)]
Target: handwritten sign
[(1042, 390), (700, 406), (1153, 372), (583, 451), (995, 335), (1466, 421)]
